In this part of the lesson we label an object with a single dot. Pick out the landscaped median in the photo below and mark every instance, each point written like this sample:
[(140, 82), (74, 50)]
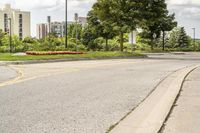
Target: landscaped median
[(53, 53), (68, 55)]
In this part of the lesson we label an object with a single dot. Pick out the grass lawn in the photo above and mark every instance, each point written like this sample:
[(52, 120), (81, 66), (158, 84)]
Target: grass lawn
[(88, 55)]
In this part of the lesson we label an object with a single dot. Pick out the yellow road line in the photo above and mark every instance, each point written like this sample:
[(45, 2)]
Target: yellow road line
[(12, 81), (22, 77)]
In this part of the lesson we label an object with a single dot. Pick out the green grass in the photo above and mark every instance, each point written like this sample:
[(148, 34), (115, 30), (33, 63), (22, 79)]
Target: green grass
[(89, 55)]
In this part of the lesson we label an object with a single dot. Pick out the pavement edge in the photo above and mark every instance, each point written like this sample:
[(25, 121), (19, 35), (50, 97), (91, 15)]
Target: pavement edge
[(151, 114), (175, 101)]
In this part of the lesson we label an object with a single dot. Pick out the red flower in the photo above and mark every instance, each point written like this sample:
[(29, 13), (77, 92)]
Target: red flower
[(53, 53)]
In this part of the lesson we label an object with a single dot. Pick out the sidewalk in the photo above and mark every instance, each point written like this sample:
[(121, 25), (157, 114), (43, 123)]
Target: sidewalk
[(185, 117)]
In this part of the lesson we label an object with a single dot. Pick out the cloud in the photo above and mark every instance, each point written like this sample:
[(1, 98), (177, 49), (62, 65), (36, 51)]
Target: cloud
[(183, 2)]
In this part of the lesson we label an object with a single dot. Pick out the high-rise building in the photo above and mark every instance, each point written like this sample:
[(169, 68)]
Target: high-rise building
[(42, 31), (20, 21), (57, 28), (82, 21)]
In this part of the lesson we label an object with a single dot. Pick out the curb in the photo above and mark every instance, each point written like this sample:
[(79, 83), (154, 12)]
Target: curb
[(150, 115), (175, 101), (4, 63)]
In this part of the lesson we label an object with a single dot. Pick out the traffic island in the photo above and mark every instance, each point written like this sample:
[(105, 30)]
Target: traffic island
[(46, 57)]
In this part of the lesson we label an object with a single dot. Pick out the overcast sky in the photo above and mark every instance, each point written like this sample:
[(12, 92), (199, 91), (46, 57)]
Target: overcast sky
[(187, 11)]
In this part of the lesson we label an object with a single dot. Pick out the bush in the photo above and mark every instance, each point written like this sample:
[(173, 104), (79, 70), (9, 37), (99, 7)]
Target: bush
[(142, 47)]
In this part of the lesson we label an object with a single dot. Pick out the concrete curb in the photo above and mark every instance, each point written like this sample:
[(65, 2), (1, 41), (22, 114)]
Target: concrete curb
[(176, 100), (4, 63), (150, 115)]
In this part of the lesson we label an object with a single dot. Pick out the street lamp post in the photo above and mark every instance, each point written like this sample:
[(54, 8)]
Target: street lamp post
[(194, 38), (10, 35), (76, 19), (66, 24), (49, 26)]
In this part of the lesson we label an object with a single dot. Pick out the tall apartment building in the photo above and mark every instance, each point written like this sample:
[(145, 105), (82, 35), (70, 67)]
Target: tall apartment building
[(56, 28), (42, 31), (82, 21), (20, 21)]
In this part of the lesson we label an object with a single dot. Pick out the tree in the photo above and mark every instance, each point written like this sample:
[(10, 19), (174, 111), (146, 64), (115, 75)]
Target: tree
[(72, 30), (88, 37), (30, 44), (183, 39), (173, 38), (100, 28), (167, 24), (2, 34), (154, 12), (178, 38), (122, 15), (17, 45)]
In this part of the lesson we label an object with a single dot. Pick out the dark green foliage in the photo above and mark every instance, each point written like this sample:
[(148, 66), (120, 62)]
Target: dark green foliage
[(178, 39), (88, 38), (183, 39), (155, 13), (100, 28), (2, 34), (122, 15), (167, 24), (72, 30)]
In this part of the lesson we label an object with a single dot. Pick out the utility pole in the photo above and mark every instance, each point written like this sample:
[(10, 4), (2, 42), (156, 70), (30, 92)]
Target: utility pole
[(194, 38), (49, 25), (66, 44), (76, 19), (10, 37)]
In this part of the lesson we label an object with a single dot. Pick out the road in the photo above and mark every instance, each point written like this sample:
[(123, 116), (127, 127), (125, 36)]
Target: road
[(6, 74), (82, 96)]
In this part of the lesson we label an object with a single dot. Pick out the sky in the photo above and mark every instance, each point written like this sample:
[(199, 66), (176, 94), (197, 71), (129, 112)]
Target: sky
[(187, 11)]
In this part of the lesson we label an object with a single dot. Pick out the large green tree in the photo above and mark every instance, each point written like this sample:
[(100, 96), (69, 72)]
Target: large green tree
[(75, 30), (183, 39), (167, 24), (100, 28), (154, 12), (88, 38), (178, 38), (2, 34), (122, 15)]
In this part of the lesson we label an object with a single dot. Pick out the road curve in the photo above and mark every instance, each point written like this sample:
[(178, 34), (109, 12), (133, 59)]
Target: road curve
[(7, 73)]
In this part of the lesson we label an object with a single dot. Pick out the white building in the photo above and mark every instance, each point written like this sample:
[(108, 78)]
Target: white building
[(133, 36), (42, 31), (20, 21), (82, 21), (57, 28)]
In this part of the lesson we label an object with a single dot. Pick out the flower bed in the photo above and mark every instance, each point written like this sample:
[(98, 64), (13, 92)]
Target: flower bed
[(53, 53)]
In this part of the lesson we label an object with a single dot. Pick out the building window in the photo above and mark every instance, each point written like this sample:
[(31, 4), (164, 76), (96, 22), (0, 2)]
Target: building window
[(20, 26), (20, 16), (20, 36), (6, 23)]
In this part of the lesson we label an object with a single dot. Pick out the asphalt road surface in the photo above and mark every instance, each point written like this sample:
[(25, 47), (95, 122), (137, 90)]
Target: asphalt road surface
[(81, 96), (6, 74)]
